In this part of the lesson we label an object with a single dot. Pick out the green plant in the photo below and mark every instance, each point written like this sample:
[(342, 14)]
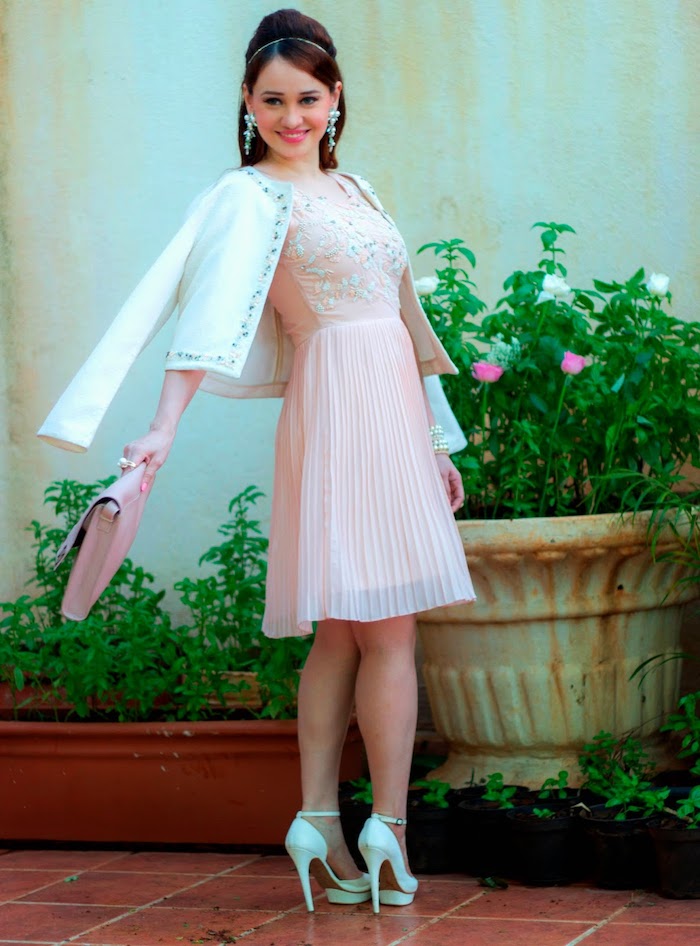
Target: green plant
[(120, 662), (126, 660), (619, 771), (543, 813), (226, 610), (496, 791), (686, 721), (435, 792), (688, 809), (555, 787), (564, 394), (363, 790)]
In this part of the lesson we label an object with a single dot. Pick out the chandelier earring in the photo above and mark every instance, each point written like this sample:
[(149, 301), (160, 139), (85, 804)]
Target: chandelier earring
[(333, 117), (249, 133)]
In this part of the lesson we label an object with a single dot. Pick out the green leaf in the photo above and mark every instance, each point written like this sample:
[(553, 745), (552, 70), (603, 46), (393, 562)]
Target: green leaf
[(618, 384), (537, 402)]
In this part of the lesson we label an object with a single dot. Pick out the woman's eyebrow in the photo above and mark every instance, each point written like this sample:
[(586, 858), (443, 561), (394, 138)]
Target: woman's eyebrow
[(271, 92)]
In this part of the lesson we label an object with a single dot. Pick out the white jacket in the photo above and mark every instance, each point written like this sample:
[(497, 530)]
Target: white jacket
[(216, 272)]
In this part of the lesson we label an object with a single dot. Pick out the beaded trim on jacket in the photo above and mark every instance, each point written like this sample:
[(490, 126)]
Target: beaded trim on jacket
[(240, 344)]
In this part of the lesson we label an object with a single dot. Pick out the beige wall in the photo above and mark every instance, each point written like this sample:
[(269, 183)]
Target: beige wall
[(473, 118)]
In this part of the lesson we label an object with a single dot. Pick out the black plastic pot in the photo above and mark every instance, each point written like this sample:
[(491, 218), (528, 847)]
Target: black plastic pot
[(428, 840), (677, 851), (623, 851), (547, 851), (482, 837)]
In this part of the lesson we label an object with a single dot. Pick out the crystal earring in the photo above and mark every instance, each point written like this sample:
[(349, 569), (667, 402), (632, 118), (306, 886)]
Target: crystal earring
[(249, 133), (333, 117)]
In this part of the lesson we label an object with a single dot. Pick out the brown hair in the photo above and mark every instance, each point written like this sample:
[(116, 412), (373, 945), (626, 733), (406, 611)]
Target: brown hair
[(283, 30)]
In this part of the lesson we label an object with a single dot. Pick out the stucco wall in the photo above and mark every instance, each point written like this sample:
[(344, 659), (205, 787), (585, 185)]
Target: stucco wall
[(473, 119)]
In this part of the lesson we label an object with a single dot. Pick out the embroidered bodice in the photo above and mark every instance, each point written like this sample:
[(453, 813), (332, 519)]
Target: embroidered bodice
[(342, 261)]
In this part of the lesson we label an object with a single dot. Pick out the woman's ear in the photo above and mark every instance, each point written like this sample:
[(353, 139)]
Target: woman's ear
[(336, 93), (247, 98)]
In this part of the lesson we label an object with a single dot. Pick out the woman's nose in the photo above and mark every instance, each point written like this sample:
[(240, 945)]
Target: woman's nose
[(291, 118)]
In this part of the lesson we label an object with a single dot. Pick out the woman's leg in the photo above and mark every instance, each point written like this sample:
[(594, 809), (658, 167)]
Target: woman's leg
[(326, 694), (386, 701)]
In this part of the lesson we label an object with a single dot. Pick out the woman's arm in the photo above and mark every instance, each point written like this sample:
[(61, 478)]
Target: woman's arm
[(177, 392), (451, 479)]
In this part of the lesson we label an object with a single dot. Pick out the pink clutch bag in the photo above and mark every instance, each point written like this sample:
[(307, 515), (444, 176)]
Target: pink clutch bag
[(103, 536)]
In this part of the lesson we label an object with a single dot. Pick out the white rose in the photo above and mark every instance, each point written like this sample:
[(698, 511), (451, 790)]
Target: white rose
[(657, 284), (544, 297), (556, 285), (426, 286)]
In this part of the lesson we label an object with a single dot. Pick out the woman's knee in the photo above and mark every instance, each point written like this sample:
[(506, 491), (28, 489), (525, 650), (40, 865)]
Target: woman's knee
[(335, 636), (393, 636)]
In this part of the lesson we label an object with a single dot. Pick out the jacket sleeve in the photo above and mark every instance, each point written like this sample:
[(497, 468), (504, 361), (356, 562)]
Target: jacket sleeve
[(442, 412), (74, 420)]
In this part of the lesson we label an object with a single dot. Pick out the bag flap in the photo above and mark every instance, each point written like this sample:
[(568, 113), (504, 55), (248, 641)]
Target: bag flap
[(123, 492)]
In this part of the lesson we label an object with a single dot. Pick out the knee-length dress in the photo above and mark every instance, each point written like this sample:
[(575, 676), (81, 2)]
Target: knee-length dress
[(361, 527)]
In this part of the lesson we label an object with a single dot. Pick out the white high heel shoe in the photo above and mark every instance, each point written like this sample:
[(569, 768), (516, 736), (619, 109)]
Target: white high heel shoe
[(308, 849), (390, 882)]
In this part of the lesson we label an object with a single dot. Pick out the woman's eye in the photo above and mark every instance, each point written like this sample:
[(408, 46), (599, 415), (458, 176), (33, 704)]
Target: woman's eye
[(271, 101), (309, 100)]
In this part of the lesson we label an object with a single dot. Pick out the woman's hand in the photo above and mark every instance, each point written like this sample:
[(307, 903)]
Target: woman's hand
[(154, 448), (451, 480)]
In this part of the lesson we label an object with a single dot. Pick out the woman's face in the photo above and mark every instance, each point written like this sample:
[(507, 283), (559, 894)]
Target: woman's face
[(291, 109)]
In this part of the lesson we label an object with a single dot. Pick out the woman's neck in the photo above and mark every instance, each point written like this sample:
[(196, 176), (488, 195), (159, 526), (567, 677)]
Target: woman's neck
[(295, 171)]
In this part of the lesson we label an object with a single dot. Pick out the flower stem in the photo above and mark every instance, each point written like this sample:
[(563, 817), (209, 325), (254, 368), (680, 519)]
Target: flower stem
[(560, 404), (484, 395)]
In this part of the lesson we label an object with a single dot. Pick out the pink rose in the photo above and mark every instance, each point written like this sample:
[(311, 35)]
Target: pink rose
[(572, 364), (484, 371)]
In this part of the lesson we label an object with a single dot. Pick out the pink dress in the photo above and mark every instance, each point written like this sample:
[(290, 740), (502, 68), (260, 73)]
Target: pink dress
[(361, 526)]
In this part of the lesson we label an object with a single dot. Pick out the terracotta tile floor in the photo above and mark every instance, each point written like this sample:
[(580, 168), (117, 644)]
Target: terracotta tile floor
[(113, 898)]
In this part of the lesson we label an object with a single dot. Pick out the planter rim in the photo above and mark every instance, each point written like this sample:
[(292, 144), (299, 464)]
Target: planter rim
[(604, 530), (675, 834), (186, 728)]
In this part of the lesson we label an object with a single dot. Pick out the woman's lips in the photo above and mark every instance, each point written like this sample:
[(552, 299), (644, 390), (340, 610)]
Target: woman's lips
[(293, 136)]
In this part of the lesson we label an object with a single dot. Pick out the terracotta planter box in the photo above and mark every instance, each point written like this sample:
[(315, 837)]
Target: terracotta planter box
[(179, 783)]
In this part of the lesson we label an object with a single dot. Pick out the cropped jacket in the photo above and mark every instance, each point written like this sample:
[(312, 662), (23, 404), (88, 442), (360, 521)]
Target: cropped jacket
[(216, 274)]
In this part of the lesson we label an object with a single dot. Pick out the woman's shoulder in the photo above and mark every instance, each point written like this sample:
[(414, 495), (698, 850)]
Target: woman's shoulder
[(236, 184), (363, 184)]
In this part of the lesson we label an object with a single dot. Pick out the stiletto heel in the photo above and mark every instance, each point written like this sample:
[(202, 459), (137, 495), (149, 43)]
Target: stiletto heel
[(390, 882), (308, 849)]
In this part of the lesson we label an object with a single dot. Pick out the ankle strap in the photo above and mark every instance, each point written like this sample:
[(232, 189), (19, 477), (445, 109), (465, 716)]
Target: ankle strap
[(387, 819), (318, 814)]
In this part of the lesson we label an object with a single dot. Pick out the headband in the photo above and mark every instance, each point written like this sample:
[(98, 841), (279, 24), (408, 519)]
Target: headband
[(298, 39)]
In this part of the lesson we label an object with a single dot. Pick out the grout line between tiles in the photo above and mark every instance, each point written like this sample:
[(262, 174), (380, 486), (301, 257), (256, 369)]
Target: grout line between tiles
[(435, 919), (598, 926), (18, 942), (132, 911)]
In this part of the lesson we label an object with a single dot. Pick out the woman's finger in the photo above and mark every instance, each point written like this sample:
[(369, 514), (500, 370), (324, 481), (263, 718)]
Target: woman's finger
[(457, 489)]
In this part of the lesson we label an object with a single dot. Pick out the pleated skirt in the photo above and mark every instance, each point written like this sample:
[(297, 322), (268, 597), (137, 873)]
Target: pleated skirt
[(361, 526)]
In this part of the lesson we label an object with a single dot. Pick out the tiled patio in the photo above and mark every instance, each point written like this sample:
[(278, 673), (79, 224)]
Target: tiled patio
[(113, 898)]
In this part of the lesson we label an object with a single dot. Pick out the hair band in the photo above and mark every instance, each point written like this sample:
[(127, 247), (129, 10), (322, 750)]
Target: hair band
[(298, 39)]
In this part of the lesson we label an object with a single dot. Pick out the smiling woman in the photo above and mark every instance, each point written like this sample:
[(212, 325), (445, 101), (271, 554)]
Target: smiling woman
[(290, 279)]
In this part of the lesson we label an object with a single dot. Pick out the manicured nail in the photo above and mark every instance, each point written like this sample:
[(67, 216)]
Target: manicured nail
[(144, 486)]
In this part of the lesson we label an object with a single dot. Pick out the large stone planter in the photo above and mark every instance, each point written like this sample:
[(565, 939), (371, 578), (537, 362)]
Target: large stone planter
[(566, 610)]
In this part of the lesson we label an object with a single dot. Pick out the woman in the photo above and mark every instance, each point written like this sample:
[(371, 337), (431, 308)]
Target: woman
[(289, 271)]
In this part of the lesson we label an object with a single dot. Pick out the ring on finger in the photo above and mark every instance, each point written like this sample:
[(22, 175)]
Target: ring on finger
[(126, 464)]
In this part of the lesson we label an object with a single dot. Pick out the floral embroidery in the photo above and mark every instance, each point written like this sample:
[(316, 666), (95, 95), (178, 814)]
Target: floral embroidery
[(354, 231)]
